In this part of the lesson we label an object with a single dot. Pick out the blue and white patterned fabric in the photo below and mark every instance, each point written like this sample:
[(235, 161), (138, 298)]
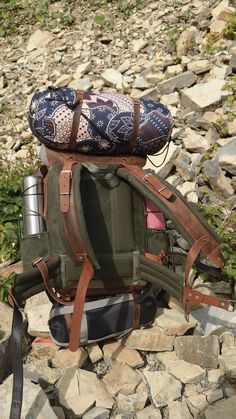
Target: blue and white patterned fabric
[(106, 122)]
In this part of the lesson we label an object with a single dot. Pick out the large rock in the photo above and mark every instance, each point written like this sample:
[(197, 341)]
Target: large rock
[(202, 351), (226, 156), (195, 142), (163, 387), (97, 413), (186, 41), (181, 370), (227, 363), (66, 359), (35, 403), (149, 412), (38, 39), (133, 402), (122, 379), (171, 322), (37, 317), (5, 338), (179, 410), (213, 318), (185, 79), (203, 96), (149, 340), (117, 352), (221, 409), (79, 390), (113, 78), (199, 66)]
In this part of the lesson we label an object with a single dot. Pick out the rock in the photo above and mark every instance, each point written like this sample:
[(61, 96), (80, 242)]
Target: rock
[(229, 342), (5, 338), (224, 408), (218, 26), (139, 44), (174, 70), (163, 167), (195, 142), (94, 352), (79, 390), (141, 83), (202, 351), (226, 156), (171, 322), (38, 371), (186, 188), (113, 78), (197, 404), (149, 340), (199, 66), (163, 387), (212, 318), (58, 412), (134, 402), (202, 96), (124, 66), (171, 99), (227, 363), (152, 94), (219, 8), (149, 412), (81, 84), (183, 371), (117, 352), (185, 79), (97, 413), (38, 39), (215, 377), (63, 80), (66, 359), (34, 404), (184, 165), (37, 317), (121, 379), (82, 69), (186, 41), (179, 410)]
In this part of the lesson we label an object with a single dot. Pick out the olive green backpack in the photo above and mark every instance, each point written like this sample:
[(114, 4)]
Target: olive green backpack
[(97, 242)]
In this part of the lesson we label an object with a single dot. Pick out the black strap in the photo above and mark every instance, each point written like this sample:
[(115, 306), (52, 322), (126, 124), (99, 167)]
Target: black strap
[(17, 364)]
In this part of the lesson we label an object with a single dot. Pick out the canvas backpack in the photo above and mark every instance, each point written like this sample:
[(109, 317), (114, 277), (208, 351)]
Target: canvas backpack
[(97, 253)]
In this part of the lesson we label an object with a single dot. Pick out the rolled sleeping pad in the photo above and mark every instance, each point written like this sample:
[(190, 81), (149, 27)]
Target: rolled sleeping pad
[(98, 123)]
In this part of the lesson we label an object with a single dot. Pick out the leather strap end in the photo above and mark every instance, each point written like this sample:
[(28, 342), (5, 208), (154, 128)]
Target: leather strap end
[(197, 297), (216, 258)]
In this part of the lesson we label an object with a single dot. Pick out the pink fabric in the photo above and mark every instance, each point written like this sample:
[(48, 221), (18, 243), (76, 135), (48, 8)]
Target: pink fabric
[(155, 218)]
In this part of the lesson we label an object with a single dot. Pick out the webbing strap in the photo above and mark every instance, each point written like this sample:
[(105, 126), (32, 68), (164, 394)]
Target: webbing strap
[(17, 364)]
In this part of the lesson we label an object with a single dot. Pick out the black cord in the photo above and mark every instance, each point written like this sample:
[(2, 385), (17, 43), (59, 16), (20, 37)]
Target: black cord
[(159, 154)]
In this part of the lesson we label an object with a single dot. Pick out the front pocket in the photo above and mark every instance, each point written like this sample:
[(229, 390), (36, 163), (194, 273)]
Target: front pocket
[(34, 246)]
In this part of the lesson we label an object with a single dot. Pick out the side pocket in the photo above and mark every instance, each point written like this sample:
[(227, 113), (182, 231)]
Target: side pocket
[(33, 246)]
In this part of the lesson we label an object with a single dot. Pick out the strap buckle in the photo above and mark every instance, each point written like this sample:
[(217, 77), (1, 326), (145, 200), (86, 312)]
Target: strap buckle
[(36, 261)]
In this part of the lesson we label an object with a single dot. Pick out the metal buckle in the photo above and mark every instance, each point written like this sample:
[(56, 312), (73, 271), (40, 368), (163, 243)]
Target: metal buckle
[(67, 171), (145, 177), (36, 261)]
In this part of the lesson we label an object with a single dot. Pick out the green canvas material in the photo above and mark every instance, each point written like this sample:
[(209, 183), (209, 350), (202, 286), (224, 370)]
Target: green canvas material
[(110, 213)]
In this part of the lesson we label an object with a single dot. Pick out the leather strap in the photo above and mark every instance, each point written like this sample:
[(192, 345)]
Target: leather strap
[(85, 277), (55, 156), (197, 297), (17, 364), (155, 258), (185, 216), (136, 321), (41, 265), (76, 120), (192, 256), (65, 185), (136, 121), (45, 197)]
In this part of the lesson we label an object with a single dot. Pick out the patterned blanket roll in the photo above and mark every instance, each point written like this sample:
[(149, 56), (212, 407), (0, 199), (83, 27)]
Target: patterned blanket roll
[(98, 123)]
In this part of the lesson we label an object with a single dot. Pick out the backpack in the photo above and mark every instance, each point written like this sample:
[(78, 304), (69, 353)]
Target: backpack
[(95, 254)]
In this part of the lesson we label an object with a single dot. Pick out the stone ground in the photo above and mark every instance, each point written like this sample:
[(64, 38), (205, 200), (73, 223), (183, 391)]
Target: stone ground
[(174, 52)]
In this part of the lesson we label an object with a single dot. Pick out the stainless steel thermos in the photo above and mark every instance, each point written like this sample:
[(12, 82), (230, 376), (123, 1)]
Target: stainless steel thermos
[(32, 194)]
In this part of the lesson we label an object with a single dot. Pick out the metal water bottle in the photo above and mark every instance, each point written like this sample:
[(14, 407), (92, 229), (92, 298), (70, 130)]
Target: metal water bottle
[(32, 194)]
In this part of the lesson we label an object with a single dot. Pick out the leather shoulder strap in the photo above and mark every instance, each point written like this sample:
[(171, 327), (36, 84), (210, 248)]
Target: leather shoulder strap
[(177, 209)]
